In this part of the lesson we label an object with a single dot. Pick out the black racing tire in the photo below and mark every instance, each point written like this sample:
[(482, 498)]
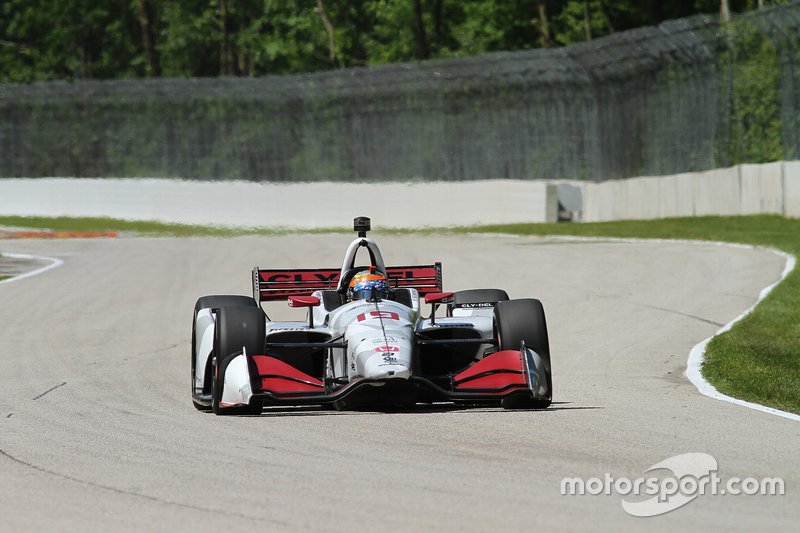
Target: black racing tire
[(224, 300), (524, 320), (213, 301), (235, 328), (476, 296)]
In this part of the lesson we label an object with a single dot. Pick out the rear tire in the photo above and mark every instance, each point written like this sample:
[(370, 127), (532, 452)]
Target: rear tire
[(524, 320), (224, 300), (235, 328), (474, 296), (205, 302)]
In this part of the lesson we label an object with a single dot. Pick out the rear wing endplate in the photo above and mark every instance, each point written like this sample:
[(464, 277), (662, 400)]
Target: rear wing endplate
[(280, 284)]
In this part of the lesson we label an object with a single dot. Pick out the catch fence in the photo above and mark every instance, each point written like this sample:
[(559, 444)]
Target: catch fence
[(688, 95)]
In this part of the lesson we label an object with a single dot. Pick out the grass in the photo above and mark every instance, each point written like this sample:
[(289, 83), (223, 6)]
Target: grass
[(757, 360), (146, 228)]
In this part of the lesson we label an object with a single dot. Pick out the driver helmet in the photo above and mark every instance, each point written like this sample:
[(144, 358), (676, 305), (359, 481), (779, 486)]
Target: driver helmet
[(368, 284)]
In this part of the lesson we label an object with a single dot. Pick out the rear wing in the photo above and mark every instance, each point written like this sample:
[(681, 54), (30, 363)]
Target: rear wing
[(279, 284)]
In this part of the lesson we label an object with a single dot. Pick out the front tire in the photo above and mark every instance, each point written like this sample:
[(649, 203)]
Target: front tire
[(235, 328), (208, 302), (519, 321)]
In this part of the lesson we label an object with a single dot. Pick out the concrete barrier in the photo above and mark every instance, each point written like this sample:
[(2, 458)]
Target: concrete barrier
[(301, 205), (761, 188), (791, 189), (739, 190), (672, 202), (717, 192)]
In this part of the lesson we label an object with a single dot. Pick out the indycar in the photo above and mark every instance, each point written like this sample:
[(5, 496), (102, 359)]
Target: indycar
[(378, 352)]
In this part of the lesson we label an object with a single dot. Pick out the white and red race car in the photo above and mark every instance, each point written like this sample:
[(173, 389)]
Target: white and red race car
[(376, 352)]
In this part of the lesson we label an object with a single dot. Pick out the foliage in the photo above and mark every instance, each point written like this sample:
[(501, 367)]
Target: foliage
[(756, 117), (67, 39), (75, 39)]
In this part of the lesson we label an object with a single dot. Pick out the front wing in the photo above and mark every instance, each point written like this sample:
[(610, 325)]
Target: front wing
[(495, 377)]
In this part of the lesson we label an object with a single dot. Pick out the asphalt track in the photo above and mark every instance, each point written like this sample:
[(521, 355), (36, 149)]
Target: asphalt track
[(97, 431)]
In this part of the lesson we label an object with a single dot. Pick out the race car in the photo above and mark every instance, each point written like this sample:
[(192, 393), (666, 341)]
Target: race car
[(365, 341)]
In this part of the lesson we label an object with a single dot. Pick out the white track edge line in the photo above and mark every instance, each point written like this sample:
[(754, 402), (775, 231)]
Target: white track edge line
[(54, 263), (697, 355), (698, 352)]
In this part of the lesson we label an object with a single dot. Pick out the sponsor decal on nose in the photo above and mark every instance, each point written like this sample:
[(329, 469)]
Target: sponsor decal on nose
[(381, 349)]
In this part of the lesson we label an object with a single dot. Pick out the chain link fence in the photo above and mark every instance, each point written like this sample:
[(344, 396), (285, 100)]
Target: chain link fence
[(688, 95)]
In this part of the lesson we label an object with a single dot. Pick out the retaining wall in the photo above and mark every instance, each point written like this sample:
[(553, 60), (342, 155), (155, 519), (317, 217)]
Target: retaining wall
[(300, 205), (739, 190)]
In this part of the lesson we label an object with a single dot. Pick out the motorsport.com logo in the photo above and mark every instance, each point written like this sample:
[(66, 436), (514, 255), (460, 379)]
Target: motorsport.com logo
[(693, 475)]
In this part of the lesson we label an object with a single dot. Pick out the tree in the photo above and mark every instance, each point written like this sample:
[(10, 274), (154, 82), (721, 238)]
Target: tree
[(323, 16), (544, 26), (144, 10), (76, 39), (67, 39), (423, 51)]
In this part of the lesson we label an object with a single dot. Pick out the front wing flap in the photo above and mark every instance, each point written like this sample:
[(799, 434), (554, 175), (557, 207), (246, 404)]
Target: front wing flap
[(501, 374)]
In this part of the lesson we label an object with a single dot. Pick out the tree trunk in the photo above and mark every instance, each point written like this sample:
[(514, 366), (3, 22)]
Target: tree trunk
[(438, 25), (145, 13), (83, 62), (329, 29), (587, 20), (226, 61), (724, 11), (423, 50), (244, 57), (544, 26)]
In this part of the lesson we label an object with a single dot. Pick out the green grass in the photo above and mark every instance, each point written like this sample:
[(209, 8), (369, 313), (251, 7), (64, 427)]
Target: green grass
[(757, 360), (142, 228)]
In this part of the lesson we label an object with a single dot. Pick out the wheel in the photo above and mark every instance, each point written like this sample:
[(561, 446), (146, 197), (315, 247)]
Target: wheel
[(206, 302), (523, 320), (235, 328), (197, 405), (224, 300), (479, 296)]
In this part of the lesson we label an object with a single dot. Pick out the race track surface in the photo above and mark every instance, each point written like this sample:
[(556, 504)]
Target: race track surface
[(97, 431)]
